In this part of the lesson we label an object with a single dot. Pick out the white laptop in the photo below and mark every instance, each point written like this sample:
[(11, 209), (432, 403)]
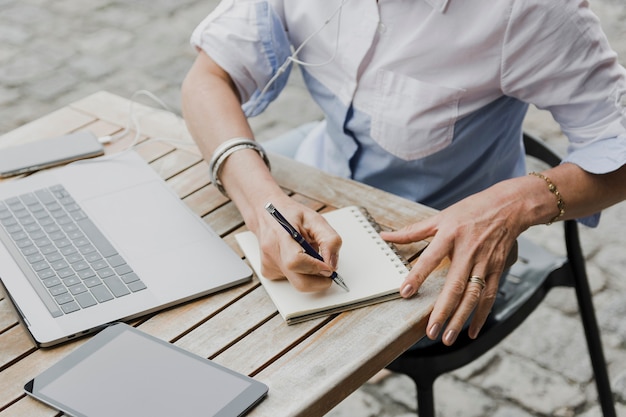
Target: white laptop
[(103, 240)]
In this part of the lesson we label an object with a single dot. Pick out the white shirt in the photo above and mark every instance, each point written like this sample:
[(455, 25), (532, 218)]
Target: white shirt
[(425, 98)]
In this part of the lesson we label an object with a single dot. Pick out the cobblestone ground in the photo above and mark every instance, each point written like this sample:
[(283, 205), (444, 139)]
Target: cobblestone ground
[(54, 52)]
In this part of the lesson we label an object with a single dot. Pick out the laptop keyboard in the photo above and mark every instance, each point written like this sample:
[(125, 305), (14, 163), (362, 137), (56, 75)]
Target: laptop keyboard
[(66, 258)]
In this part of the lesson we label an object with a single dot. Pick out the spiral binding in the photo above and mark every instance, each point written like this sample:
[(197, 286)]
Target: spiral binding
[(401, 264)]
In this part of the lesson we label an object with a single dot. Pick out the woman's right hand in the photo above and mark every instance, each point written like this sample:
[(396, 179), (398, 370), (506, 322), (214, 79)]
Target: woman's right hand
[(282, 257)]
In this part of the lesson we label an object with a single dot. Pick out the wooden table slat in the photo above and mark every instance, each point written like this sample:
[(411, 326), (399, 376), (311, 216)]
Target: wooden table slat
[(15, 343), (190, 180), (8, 316), (264, 345), (172, 323), (230, 325), (29, 407), (205, 200), (225, 219), (153, 122), (174, 163), (12, 379)]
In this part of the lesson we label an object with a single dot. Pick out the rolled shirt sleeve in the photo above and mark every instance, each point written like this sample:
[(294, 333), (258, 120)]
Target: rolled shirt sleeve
[(576, 76), (247, 39)]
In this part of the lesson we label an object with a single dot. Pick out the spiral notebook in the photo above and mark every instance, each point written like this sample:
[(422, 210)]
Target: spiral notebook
[(370, 267)]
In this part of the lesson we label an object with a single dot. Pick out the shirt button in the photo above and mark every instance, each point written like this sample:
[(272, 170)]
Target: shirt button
[(622, 100), (381, 27)]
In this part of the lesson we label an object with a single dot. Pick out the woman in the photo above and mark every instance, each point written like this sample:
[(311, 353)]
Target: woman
[(424, 99)]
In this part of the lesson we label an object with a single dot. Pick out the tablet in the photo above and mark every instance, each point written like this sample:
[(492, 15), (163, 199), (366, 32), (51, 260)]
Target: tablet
[(123, 371)]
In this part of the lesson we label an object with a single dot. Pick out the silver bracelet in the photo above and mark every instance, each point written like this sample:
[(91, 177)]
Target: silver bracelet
[(225, 150)]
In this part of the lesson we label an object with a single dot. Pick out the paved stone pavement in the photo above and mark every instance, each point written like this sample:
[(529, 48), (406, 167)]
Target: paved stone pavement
[(54, 52)]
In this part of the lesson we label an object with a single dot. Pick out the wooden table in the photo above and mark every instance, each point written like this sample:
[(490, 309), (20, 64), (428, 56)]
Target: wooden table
[(309, 367)]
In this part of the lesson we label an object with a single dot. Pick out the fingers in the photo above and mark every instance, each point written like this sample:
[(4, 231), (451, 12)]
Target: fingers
[(461, 297), (412, 233), (470, 288), (322, 235), (283, 257), (485, 303), (428, 262), (471, 296), (478, 235)]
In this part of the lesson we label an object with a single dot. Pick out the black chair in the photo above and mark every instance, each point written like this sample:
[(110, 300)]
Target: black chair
[(521, 290)]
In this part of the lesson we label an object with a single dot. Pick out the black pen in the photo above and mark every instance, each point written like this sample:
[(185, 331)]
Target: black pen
[(308, 249)]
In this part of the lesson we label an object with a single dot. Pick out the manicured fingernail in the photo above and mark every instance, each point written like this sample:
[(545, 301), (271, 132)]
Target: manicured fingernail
[(407, 291), (450, 337), (433, 332), (473, 334)]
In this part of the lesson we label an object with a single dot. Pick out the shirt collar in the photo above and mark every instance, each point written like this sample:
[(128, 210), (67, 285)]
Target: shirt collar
[(439, 5)]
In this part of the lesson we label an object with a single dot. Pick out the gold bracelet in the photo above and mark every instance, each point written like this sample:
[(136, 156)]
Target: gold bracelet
[(559, 200)]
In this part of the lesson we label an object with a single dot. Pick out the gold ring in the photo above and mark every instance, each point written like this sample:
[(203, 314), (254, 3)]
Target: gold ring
[(477, 280)]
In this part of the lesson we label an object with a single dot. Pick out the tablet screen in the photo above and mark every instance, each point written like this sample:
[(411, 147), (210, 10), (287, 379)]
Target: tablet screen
[(123, 371)]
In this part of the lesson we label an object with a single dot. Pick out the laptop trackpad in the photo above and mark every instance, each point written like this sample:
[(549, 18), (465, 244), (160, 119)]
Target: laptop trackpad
[(145, 220)]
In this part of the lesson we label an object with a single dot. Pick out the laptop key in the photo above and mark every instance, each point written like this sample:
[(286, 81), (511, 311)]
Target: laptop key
[(71, 280), (85, 300), (57, 290), (128, 278), (116, 286), (99, 264), (101, 293), (15, 228), (105, 272), (123, 269), (64, 298), (92, 282), (30, 250), (77, 289), (9, 221), (47, 250), (93, 257), (29, 199), (80, 265), (46, 273), (74, 258), (70, 307), (51, 282), (86, 273), (45, 196), (137, 286), (66, 272), (34, 258), (68, 250), (116, 260)]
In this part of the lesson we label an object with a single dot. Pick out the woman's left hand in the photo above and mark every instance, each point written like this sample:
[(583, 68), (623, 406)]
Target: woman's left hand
[(478, 235)]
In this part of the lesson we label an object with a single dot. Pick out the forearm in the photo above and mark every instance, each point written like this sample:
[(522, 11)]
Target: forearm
[(213, 115)]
